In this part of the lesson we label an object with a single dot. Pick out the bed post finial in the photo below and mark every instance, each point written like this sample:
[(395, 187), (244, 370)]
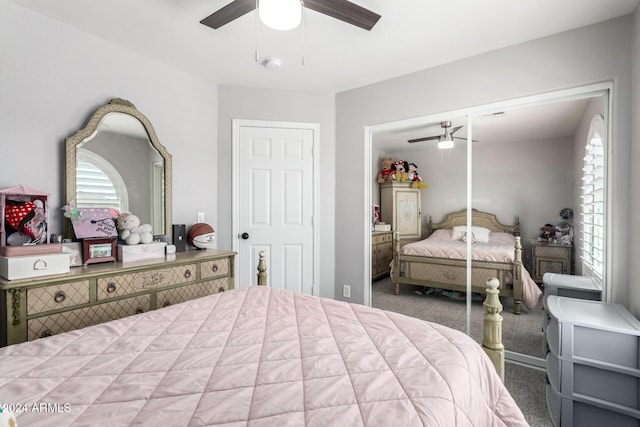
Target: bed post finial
[(492, 341), (262, 269)]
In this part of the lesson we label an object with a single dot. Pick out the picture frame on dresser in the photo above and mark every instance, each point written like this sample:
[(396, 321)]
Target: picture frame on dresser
[(99, 249)]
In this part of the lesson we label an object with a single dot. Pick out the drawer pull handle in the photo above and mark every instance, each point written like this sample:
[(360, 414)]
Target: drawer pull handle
[(187, 273), (46, 333), (111, 287), (139, 310), (215, 268), (167, 303), (40, 264), (59, 297)]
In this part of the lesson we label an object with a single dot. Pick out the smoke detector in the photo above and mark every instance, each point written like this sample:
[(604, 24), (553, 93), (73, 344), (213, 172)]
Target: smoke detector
[(272, 63)]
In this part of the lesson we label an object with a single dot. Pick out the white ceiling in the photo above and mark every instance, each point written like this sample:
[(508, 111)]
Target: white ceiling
[(411, 35), (543, 122)]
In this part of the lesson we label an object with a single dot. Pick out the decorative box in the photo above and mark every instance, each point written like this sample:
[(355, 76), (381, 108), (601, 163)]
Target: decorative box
[(24, 226), (382, 227), (28, 266), (129, 253)]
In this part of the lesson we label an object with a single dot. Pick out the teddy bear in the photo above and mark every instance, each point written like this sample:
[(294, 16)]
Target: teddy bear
[(386, 174), (132, 232), (402, 171), (414, 177), (547, 233)]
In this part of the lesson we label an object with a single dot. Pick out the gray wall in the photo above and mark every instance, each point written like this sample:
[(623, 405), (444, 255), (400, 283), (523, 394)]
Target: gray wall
[(287, 106), (54, 77), (503, 183), (586, 55), (634, 197)]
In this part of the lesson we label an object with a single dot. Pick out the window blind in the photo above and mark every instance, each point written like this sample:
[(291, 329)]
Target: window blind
[(592, 206)]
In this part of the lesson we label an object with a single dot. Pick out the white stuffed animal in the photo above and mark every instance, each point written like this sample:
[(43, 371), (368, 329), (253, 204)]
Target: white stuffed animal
[(132, 232)]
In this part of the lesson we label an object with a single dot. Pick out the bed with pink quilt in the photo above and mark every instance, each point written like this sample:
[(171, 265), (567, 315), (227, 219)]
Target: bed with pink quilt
[(440, 260), (256, 357)]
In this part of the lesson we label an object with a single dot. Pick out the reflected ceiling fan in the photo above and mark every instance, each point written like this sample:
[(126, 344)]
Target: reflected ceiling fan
[(445, 141), (342, 10)]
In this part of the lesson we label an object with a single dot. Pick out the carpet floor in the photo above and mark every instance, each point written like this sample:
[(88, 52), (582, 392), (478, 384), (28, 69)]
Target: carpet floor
[(520, 333)]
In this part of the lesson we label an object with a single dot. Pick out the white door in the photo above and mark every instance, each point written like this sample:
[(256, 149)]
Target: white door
[(274, 213)]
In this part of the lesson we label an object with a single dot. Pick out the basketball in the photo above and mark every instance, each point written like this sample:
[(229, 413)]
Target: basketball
[(198, 230)]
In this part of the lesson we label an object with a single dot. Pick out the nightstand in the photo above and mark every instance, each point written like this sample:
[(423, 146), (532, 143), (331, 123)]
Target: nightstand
[(381, 253), (551, 258)]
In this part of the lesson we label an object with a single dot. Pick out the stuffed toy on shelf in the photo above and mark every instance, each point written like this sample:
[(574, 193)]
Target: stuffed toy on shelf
[(386, 174), (414, 177)]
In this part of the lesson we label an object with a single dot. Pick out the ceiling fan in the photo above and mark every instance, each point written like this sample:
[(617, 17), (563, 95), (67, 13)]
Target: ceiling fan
[(342, 10), (445, 140)]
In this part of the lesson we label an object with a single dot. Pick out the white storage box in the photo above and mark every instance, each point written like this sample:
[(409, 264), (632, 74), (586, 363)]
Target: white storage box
[(567, 285), (28, 266), (382, 227), (129, 253)]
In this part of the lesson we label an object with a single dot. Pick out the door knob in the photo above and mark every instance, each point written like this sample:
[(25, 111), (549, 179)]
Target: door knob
[(245, 236)]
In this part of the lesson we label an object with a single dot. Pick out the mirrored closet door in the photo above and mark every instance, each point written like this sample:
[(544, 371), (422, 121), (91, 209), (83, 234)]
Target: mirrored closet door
[(523, 165)]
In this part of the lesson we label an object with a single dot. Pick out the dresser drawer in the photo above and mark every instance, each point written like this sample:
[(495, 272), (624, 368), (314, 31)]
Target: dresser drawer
[(47, 298), (552, 251), (189, 292), (377, 239), (218, 267), (80, 318), (125, 284)]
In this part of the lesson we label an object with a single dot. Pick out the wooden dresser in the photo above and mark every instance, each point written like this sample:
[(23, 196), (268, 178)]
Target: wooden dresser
[(34, 308), (381, 253)]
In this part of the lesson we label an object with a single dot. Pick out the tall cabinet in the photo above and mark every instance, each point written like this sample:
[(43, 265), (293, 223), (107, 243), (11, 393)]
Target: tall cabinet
[(400, 206)]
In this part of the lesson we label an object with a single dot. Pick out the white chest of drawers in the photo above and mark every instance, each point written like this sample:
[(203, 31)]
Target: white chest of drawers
[(593, 363)]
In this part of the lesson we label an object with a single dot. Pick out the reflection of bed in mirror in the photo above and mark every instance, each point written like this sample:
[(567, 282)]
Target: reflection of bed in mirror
[(439, 261)]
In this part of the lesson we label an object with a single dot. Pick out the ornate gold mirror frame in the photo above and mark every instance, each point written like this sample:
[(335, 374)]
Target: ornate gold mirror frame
[(74, 142)]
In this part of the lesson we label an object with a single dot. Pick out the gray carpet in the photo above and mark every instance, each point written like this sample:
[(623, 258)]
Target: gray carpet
[(521, 333)]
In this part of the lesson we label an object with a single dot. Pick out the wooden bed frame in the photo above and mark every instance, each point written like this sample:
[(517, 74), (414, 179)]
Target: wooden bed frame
[(451, 274), (492, 328)]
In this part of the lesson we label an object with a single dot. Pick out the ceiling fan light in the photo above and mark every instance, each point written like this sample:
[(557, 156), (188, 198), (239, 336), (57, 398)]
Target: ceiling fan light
[(445, 144), (280, 14)]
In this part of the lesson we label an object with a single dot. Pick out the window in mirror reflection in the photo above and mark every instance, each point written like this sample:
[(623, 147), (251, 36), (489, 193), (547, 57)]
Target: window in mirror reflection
[(98, 183), (593, 199)]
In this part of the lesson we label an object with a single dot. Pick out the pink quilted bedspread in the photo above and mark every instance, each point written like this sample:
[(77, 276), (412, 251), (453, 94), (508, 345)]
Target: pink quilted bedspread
[(499, 248), (259, 357)]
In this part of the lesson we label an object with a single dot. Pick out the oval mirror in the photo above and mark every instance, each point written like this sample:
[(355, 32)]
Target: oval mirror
[(116, 161)]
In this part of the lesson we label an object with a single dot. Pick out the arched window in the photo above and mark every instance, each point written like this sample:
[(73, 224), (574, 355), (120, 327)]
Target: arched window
[(98, 183), (593, 200)]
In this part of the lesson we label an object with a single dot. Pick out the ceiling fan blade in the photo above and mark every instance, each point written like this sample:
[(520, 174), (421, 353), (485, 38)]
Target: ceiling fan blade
[(428, 138), (464, 139), (455, 129), (345, 11), (230, 12)]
